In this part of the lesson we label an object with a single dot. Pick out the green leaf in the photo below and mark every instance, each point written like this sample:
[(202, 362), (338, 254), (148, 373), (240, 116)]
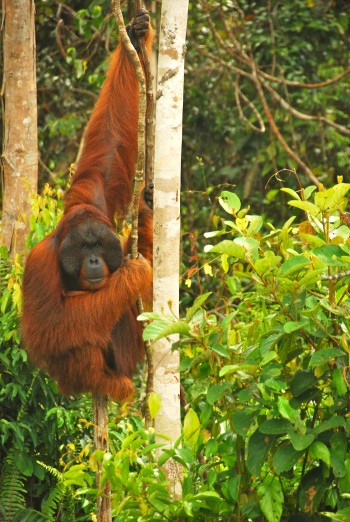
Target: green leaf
[(339, 382), (329, 254), (250, 245), (294, 264), (191, 427), (291, 192), (230, 202), (228, 247), (275, 426), (337, 463), (336, 421), (318, 450), (270, 342), (309, 191), (271, 498), (158, 329), (154, 404), (234, 368), (24, 463), (241, 422), (196, 306), (307, 206), (285, 458), (291, 414), (207, 494), (302, 381), (324, 356), (293, 326), (300, 441), (333, 198), (233, 487), (216, 392), (258, 446)]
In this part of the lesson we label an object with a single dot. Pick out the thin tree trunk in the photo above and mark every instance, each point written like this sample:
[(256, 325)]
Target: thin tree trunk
[(20, 148), (167, 215), (100, 420)]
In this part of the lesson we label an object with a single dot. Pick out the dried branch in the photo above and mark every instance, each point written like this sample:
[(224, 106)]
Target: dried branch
[(238, 95), (138, 181), (150, 124), (301, 115), (302, 85)]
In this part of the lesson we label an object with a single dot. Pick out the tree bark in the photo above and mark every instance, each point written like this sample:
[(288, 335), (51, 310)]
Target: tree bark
[(100, 420), (20, 148), (167, 216)]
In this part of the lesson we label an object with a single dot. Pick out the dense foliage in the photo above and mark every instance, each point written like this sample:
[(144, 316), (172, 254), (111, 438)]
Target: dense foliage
[(265, 372)]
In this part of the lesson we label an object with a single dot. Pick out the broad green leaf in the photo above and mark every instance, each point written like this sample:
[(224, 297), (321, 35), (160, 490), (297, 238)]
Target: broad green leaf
[(319, 451), (233, 487), (196, 306), (154, 404), (337, 463), (267, 263), (258, 446), (234, 368), (230, 202), (309, 191), (336, 421), (271, 498), (24, 463), (275, 426), (310, 278), (294, 264), (241, 422), (250, 245), (216, 392), (339, 382), (330, 255), (285, 458), (307, 206), (292, 326), (291, 192), (301, 381), (207, 494), (333, 198), (291, 414), (231, 248), (300, 442), (191, 427), (324, 356), (159, 329), (255, 224), (269, 343)]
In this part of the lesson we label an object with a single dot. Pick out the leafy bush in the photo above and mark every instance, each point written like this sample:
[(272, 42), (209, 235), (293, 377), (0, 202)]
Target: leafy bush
[(267, 375), (35, 419), (265, 371)]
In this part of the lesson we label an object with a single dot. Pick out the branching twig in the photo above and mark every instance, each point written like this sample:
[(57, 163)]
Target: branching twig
[(301, 115)]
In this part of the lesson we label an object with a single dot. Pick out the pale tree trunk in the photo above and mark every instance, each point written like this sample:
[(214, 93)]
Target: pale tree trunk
[(167, 171), (20, 146)]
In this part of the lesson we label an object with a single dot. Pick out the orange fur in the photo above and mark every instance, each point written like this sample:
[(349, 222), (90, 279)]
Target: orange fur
[(90, 341)]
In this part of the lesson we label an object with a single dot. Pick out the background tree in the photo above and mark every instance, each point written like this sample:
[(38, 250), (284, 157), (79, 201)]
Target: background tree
[(20, 145)]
